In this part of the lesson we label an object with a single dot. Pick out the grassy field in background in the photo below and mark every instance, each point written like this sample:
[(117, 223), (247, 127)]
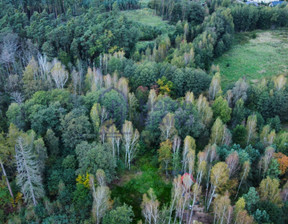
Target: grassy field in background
[(148, 17), (255, 55), (145, 16), (144, 3)]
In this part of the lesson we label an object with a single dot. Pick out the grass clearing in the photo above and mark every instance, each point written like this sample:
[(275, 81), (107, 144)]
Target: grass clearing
[(131, 191), (136, 182), (145, 16), (255, 55), (148, 17), (144, 3)]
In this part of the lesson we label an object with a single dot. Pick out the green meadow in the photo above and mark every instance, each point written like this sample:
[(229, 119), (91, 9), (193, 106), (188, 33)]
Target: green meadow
[(145, 16), (255, 55)]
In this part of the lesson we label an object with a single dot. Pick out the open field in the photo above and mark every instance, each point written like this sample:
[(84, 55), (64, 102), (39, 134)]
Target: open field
[(136, 182), (255, 55), (148, 17), (144, 3), (145, 16)]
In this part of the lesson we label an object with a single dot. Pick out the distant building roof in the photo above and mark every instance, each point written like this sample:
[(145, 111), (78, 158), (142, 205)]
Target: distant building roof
[(275, 3), (262, 1), (252, 3)]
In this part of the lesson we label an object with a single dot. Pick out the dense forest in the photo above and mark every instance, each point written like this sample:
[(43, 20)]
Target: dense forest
[(104, 119)]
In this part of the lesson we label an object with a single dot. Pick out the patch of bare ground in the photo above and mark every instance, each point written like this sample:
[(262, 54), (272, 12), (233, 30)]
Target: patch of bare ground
[(199, 215), (126, 178)]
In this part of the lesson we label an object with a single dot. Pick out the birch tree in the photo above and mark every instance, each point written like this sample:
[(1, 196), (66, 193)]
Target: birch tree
[(95, 116), (103, 115), (88, 80), (189, 145), (167, 126), (115, 82), (44, 65), (238, 113), (93, 79), (6, 153), (28, 174), (130, 140), (101, 200), (6, 177), (17, 97), (232, 162), (227, 136), (152, 100), (280, 82), (9, 47), (176, 195), (186, 30), (269, 190), (265, 160), (191, 161), (240, 90), (215, 86), (189, 97), (76, 80), (204, 110), (219, 177), (264, 134), (150, 207), (241, 216), (103, 129), (245, 171), (185, 196), (122, 85), (267, 137), (113, 136), (165, 155), (101, 177), (251, 128), (239, 206), (108, 82), (229, 97), (97, 79), (31, 79), (118, 141), (217, 132), (201, 168), (196, 191), (210, 157), (59, 74), (271, 137), (176, 156), (133, 105), (102, 133), (223, 211)]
